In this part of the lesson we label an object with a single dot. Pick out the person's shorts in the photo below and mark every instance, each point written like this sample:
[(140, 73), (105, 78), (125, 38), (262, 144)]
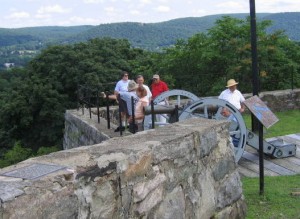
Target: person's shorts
[(122, 105)]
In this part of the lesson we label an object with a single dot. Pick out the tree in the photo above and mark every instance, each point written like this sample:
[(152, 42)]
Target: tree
[(205, 62), (36, 97)]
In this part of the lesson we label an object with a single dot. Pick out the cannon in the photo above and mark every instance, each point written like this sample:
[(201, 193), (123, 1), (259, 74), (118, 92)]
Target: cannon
[(191, 106)]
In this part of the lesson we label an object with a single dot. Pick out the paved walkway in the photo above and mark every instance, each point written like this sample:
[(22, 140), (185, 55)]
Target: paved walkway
[(249, 163)]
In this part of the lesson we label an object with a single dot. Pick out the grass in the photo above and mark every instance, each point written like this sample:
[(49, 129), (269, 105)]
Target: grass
[(277, 202), (289, 123)]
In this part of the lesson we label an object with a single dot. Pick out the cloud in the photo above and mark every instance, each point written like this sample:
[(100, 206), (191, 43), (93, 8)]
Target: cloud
[(162, 8), (53, 9), (146, 1), (43, 16), (135, 12), (277, 6), (110, 9), (233, 6), (199, 12), (18, 15), (93, 1), (80, 21)]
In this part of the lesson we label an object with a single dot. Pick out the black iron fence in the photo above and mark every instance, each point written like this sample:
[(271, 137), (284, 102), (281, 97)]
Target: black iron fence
[(92, 97)]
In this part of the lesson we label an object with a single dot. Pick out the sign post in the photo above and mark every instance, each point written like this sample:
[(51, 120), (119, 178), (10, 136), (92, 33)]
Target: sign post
[(256, 124), (265, 117)]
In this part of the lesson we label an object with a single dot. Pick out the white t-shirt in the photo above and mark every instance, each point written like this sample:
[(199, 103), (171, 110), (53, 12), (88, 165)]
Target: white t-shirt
[(235, 97), (149, 94), (122, 86)]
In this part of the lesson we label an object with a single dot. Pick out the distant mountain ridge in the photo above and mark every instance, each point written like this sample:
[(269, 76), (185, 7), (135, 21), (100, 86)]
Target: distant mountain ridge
[(151, 36)]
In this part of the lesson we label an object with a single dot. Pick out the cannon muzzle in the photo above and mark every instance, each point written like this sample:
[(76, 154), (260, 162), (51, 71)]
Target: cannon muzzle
[(159, 109)]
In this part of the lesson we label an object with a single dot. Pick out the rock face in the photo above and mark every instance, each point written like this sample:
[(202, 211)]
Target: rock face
[(183, 170)]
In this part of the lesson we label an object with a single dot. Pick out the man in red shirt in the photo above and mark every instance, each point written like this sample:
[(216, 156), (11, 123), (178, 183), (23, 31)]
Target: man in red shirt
[(157, 87)]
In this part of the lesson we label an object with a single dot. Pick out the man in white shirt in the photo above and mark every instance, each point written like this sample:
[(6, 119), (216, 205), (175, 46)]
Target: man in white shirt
[(233, 96), (140, 81)]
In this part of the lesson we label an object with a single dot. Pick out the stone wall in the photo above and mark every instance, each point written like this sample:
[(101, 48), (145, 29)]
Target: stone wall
[(183, 170), (281, 100), (79, 131)]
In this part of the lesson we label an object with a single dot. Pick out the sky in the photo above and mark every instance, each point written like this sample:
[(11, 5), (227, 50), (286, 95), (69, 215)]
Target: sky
[(31, 13)]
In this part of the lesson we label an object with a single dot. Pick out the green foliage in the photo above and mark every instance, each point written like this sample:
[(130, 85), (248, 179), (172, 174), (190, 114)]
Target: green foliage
[(289, 123), (15, 155), (205, 62), (277, 201), (34, 99), (46, 150)]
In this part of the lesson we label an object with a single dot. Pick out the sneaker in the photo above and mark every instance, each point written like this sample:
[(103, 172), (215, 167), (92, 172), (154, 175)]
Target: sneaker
[(118, 129), (102, 94)]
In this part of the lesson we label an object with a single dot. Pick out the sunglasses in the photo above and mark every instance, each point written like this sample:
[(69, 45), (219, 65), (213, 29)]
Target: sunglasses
[(125, 75)]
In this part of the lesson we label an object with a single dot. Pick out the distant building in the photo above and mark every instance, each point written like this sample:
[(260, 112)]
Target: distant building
[(9, 64)]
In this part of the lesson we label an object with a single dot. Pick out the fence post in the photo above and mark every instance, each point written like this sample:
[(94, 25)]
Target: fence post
[(152, 114), (132, 114), (107, 111), (97, 100)]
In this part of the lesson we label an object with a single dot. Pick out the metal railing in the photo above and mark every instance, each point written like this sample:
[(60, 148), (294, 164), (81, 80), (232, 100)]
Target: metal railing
[(90, 97)]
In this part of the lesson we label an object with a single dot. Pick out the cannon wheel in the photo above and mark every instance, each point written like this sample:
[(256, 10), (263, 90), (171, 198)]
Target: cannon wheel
[(178, 94), (202, 108), (174, 97), (181, 98)]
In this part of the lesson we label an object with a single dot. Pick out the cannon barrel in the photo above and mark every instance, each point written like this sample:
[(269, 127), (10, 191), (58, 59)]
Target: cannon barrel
[(159, 109)]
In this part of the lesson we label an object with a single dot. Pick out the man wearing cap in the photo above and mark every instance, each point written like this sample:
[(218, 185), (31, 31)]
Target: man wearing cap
[(157, 87), (233, 96)]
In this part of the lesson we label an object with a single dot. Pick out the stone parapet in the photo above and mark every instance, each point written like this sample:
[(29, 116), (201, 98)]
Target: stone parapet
[(282, 100), (79, 131), (182, 170)]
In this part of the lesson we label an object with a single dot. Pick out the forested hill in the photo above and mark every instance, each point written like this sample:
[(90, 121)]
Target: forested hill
[(154, 36), (151, 36)]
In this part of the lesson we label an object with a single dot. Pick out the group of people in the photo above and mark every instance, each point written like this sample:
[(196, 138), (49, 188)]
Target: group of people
[(135, 94)]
